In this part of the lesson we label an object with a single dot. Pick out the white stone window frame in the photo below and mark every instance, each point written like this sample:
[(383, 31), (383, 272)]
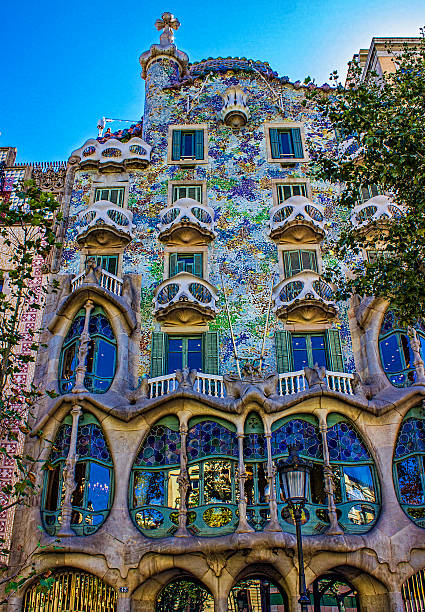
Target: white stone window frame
[(281, 248), (189, 127), (110, 181), (188, 183), (285, 125), (168, 250)]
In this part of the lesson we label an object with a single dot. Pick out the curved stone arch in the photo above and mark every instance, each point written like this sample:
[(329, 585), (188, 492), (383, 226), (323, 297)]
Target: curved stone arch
[(259, 570)]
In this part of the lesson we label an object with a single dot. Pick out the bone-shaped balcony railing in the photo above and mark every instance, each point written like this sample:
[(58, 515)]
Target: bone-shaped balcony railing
[(112, 154), (185, 291), (185, 216), (304, 290), (105, 215), (378, 209), (297, 216)]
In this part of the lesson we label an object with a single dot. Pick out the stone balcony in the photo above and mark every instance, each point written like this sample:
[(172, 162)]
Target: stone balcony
[(112, 155), (98, 276), (297, 220), (379, 210), (187, 222), (185, 299), (304, 298), (105, 224)]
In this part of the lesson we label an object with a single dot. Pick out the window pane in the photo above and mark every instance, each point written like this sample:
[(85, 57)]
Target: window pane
[(194, 356), (409, 482), (105, 364), (175, 354), (359, 483), (318, 350), (309, 260), (336, 480), (52, 489), (407, 351), (295, 262), (299, 352), (317, 485), (98, 487), (69, 362), (188, 144), (391, 358), (285, 147), (77, 498), (148, 489), (217, 482)]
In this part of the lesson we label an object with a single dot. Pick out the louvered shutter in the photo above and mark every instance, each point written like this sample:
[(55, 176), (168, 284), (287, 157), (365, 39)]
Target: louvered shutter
[(198, 264), (274, 143), (158, 354), (177, 141), (282, 342), (172, 263), (210, 346), (297, 143), (335, 350), (199, 144)]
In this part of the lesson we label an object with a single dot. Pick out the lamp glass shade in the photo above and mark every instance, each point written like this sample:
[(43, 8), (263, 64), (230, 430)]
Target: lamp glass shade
[(295, 483)]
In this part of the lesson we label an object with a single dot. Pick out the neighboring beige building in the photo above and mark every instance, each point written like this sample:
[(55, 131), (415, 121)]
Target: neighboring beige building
[(191, 238)]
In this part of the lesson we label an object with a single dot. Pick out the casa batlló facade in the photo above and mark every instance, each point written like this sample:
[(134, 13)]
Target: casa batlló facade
[(191, 238)]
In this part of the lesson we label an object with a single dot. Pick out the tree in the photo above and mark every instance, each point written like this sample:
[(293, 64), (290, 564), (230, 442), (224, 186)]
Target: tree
[(380, 125), (27, 237)]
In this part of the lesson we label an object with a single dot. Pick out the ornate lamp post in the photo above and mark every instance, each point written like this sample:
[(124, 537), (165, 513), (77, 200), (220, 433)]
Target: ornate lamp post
[(294, 478)]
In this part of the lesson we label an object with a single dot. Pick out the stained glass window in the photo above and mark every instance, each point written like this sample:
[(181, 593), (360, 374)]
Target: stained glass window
[(409, 473), (345, 444), (300, 432), (211, 438), (93, 476)]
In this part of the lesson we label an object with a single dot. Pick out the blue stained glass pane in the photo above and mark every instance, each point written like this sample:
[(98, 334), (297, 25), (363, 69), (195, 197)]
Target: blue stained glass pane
[(254, 446), (91, 443), (105, 362), (61, 445), (161, 447), (411, 437), (98, 487), (302, 433), (345, 445), (210, 438), (76, 328)]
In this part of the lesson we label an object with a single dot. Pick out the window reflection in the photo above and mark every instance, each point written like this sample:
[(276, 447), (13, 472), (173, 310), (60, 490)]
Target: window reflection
[(359, 483), (409, 482)]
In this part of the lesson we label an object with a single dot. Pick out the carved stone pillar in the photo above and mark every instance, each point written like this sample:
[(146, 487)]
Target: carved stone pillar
[(80, 370), (418, 362), (69, 476), (184, 484), (334, 528), (273, 524), (243, 526)]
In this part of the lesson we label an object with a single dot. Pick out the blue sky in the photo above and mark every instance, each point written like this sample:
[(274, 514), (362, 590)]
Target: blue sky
[(64, 65)]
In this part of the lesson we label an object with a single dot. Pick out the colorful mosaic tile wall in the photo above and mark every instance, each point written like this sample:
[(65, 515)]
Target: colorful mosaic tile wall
[(239, 189)]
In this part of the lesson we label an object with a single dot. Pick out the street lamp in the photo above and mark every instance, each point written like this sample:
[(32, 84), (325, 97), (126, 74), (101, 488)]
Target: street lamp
[(294, 478)]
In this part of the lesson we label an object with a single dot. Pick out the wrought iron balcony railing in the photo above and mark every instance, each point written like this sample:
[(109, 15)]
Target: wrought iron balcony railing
[(297, 220), (187, 222)]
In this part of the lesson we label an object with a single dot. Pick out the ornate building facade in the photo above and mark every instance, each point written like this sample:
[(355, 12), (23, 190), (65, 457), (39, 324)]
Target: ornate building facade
[(192, 341)]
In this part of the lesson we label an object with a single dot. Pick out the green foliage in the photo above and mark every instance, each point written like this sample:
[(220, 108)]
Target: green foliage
[(383, 118)]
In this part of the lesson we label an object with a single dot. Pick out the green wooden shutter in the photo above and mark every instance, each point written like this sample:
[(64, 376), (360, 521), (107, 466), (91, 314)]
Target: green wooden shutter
[(198, 264), (172, 265), (199, 144), (158, 354), (297, 143), (274, 143), (335, 350), (177, 140), (210, 346), (282, 342)]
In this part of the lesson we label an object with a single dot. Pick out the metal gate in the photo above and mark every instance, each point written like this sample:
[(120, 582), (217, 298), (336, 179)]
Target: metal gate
[(413, 591)]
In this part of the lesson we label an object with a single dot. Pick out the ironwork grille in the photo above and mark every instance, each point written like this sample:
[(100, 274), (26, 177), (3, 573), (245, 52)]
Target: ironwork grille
[(413, 591), (73, 592)]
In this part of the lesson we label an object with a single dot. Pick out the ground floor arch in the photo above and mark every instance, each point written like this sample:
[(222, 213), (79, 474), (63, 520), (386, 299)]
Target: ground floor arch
[(333, 592), (184, 594)]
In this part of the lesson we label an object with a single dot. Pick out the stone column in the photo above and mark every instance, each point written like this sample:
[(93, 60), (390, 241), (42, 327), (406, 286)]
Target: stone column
[(80, 370), (395, 602), (184, 484), (15, 604), (334, 528), (123, 602), (273, 524), (68, 476), (243, 526), (220, 604)]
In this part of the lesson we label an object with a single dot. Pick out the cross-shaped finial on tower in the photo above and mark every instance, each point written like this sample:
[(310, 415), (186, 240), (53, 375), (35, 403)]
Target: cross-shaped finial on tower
[(168, 23)]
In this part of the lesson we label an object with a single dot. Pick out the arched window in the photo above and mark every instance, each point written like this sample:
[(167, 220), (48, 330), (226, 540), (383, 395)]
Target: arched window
[(304, 432), (355, 481), (70, 590), (212, 452), (101, 357), (333, 592), (256, 484), (409, 473), (257, 593), (154, 491), (396, 352), (91, 499), (184, 594)]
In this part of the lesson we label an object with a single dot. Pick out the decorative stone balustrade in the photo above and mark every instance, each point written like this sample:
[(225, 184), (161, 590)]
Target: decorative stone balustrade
[(378, 209), (112, 155), (187, 222), (304, 298), (105, 224), (235, 112), (105, 279), (297, 220), (185, 299), (289, 383)]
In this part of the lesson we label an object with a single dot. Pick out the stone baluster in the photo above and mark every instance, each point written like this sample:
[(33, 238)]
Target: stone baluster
[(334, 528), (243, 526), (69, 476), (184, 483), (80, 370), (273, 524)]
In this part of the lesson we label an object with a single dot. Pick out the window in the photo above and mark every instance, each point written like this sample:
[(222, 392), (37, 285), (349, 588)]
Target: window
[(106, 262), (256, 486), (286, 143), (91, 498), (294, 351), (185, 262), (187, 145), (112, 194), (291, 189), (187, 191), (369, 191), (296, 261), (170, 353), (101, 357)]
